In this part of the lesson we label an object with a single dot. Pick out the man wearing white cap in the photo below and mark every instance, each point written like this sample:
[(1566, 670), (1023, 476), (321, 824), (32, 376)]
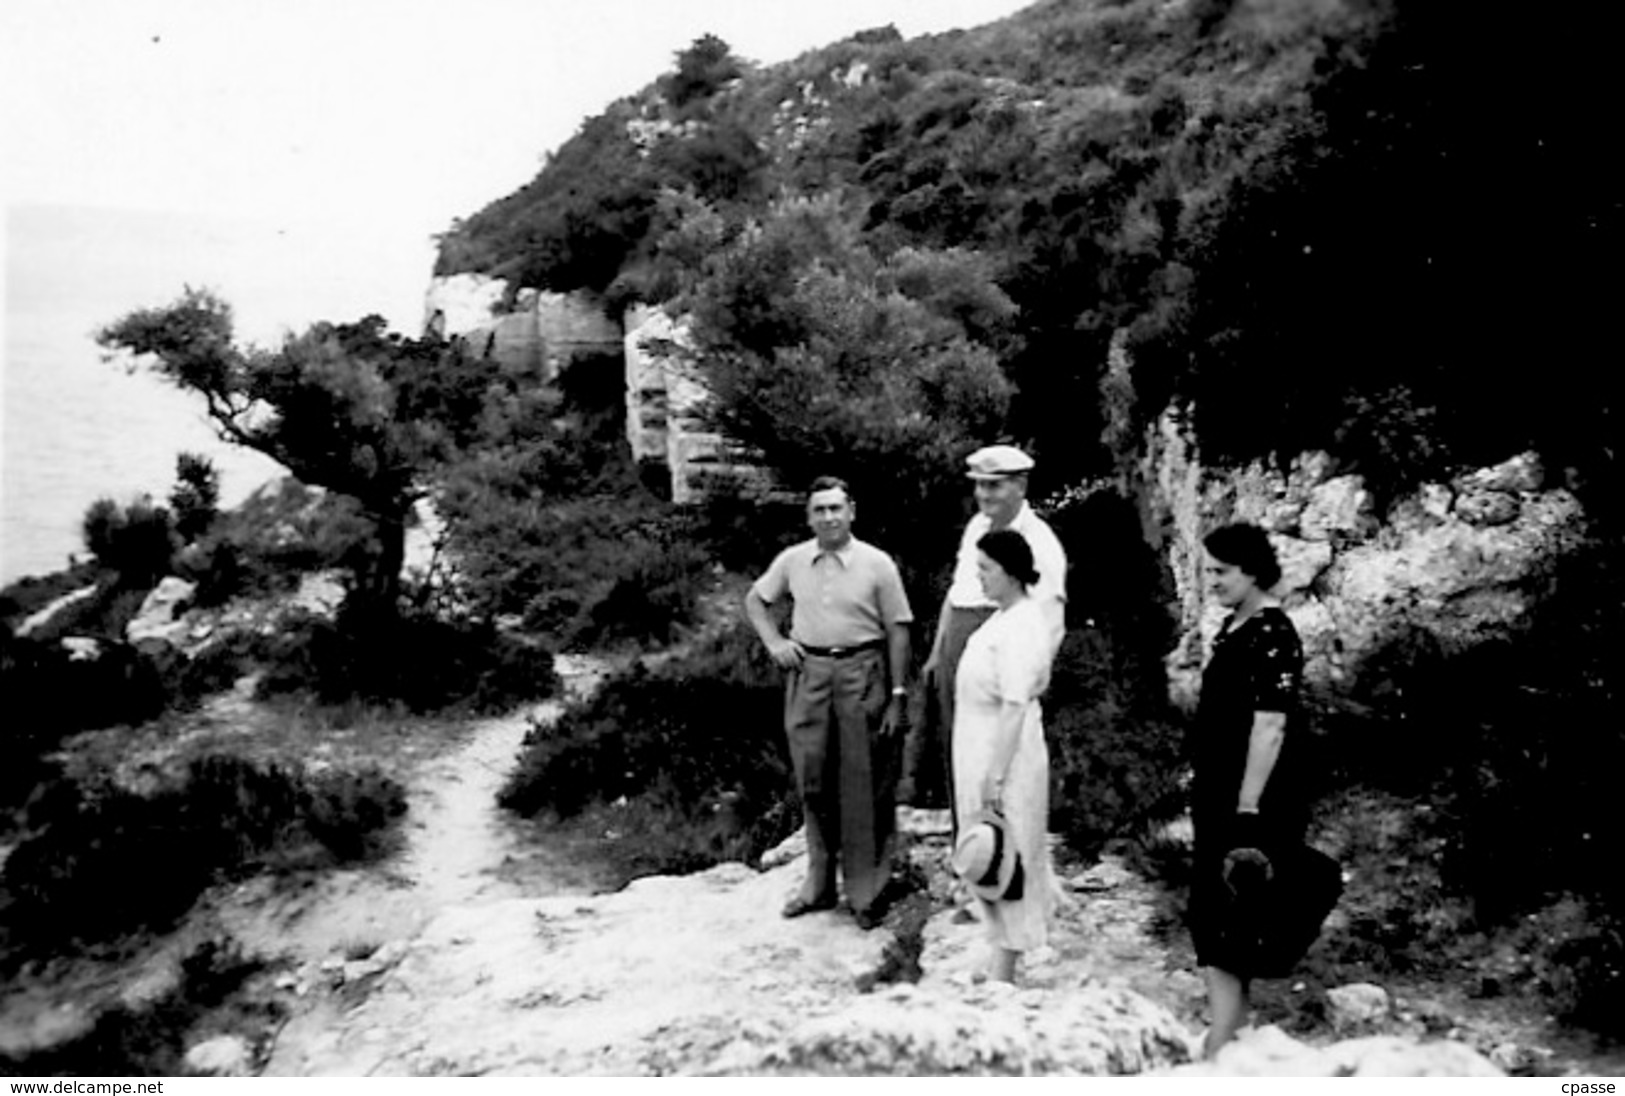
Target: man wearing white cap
[(1000, 474)]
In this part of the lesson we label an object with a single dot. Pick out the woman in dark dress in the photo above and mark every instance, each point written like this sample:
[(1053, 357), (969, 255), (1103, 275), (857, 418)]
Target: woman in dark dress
[(1247, 805)]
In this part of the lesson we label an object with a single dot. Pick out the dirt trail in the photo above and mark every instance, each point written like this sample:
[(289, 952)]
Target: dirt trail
[(460, 849)]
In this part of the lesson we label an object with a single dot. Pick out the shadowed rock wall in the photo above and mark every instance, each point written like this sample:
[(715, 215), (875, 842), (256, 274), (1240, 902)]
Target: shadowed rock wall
[(1457, 560)]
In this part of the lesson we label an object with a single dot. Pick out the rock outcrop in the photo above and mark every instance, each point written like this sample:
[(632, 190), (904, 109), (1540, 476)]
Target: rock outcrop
[(665, 411), (161, 618), (1270, 1052), (1455, 561), (538, 334), (699, 975), (1356, 1006)]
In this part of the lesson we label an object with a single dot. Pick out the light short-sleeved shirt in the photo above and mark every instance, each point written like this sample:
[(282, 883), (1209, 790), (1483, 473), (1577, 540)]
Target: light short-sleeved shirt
[(840, 598), (1048, 557)]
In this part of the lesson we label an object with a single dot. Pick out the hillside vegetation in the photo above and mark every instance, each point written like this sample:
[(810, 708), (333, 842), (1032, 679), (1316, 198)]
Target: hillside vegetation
[(1349, 210), (1381, 228), (1375, 227)]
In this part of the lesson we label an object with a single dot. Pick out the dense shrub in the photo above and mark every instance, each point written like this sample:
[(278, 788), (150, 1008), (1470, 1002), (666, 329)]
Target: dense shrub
[(703, 69), (556, 527), (420, 662), (156, 849), (1576, 950), (694, 746), (1117, 748), (648, 600), (828, 358), (195, 498), (741, 531), (1115, 764), (135, 540), (50, 695)]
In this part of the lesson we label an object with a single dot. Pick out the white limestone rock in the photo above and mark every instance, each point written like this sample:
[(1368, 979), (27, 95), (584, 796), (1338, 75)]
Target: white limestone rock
[(1302, 561), (82, 648), (1454, 562), (1270, 1052), (596, 985), (991, 1030), (460, 303), (1339, 507), (1357, 1005), (160, 619), (1487, 507), (1519, 475), (222, 1056)]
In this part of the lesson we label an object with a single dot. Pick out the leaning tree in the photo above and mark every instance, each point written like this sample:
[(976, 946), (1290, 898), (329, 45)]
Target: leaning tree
[(348, 407)]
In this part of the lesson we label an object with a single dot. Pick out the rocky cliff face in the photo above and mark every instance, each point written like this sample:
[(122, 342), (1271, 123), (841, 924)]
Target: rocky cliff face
[(1455, 560), (540, 334), (665, 410), (665, 397)]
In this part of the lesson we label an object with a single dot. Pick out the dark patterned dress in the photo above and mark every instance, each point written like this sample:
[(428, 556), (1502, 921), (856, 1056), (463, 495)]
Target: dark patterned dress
[(1256, 666)]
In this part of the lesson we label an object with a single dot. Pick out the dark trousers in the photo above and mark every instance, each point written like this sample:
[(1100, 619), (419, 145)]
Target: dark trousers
[(930, 755), (832, 714)]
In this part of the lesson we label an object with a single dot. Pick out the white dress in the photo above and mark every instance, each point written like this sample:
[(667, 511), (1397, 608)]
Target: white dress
[(1008, 658)]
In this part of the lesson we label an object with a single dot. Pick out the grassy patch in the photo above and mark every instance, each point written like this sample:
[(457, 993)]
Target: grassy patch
[(104, 853)]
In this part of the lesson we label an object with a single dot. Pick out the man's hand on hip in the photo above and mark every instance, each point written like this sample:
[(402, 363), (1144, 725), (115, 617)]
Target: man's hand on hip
[(786, 653)]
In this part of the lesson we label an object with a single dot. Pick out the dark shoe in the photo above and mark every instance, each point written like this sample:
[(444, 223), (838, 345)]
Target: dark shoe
[(869, 919), (799, 905)]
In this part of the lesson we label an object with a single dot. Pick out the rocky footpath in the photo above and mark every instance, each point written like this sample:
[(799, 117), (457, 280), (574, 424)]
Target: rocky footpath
[(700, 975)]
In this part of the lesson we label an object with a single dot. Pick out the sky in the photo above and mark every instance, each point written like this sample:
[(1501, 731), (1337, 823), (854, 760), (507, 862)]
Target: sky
[(375, 116), (296, 156)]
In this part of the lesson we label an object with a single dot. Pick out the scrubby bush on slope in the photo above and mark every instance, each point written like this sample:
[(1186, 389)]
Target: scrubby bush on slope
[(685, 759), (100, 858)]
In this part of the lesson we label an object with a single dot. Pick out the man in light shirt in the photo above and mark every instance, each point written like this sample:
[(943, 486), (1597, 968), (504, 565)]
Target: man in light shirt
[(844, 660), (1000, 474)]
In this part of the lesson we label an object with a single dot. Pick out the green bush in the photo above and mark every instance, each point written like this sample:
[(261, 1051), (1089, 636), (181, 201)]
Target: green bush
[(1114, 764), (694, 747), (137, 540), (828, 357), (51, 695), (156, 851), (195, 498), (703, 69), (418, 661), (655, 595), (1576, 951)]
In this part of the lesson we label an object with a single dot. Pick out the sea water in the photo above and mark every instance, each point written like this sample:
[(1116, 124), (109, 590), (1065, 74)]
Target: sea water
[(75, 427)]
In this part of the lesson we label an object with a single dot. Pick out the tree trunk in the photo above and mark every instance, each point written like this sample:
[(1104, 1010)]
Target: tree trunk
[(375, 598)]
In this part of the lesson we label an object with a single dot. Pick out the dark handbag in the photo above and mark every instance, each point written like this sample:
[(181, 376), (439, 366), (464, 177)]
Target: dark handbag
[(1305, 888)]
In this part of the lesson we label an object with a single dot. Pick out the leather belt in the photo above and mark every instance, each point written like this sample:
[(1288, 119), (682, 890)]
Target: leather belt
[(841, 652)]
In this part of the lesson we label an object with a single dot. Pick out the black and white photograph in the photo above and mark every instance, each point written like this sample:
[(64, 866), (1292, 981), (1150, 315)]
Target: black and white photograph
[(589, 539)]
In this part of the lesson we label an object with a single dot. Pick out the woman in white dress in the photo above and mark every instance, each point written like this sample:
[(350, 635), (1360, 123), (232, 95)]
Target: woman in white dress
[(1001, 763)]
